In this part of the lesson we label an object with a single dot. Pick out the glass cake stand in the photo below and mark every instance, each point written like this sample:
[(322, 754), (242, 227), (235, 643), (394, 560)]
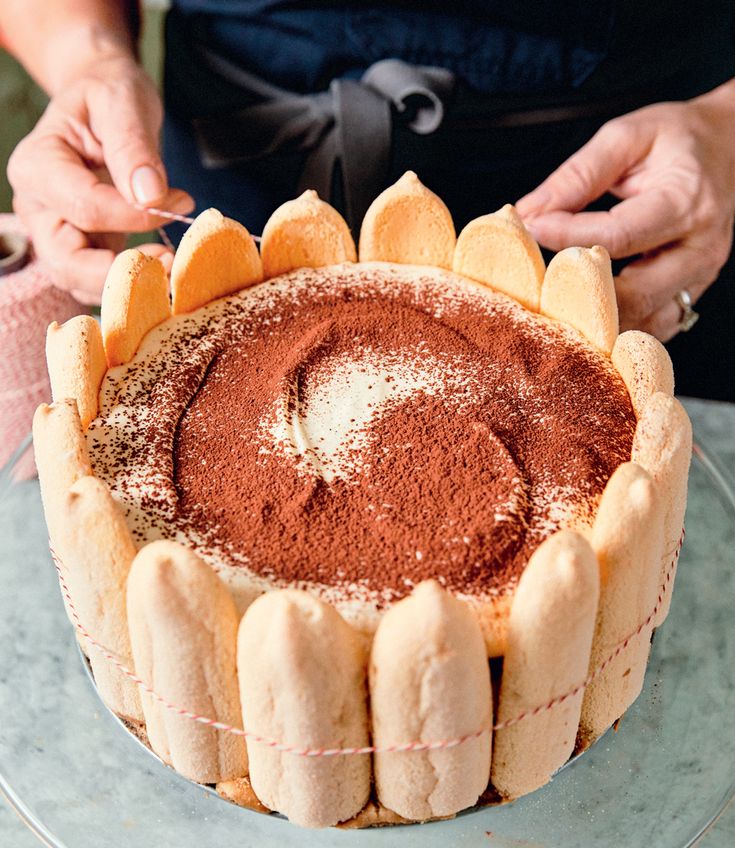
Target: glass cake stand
[(79, 781)]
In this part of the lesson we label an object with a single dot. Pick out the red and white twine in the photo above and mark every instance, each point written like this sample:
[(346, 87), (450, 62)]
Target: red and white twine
[(415, 745), (171, 216)]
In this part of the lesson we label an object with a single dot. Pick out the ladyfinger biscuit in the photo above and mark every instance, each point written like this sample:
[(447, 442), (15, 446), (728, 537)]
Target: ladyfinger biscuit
[(61, 457), (663, 446), (76, 362), (134, 300), (627, 537), (547, 654), (183, 631), (429, 681), (409, 224), (95, 550), (499, 251), (217, 256), (645, 366), (302, 683), (578, 289), (305, 233), (240, 792)]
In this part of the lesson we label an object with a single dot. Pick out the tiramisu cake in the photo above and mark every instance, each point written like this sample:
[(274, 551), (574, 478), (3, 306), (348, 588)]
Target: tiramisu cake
[(313, 497)]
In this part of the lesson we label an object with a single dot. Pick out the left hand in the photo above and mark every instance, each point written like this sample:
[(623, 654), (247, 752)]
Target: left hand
[(673, 167)]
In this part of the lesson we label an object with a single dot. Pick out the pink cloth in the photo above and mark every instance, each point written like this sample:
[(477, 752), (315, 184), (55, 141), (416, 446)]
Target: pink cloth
[(29, 302)]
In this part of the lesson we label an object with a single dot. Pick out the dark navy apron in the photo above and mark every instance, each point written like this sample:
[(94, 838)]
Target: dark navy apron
[(265, 98)]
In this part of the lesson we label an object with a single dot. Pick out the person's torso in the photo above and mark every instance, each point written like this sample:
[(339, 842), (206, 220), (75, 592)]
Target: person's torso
[(494, 47)]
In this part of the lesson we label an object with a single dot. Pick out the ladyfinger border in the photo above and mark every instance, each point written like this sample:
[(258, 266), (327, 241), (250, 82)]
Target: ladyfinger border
[(134, 301), (75, 356), (577, 288), (560, 293)]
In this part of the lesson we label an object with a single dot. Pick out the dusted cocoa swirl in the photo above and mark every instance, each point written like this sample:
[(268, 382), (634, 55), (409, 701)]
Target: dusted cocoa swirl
[(356, 429)]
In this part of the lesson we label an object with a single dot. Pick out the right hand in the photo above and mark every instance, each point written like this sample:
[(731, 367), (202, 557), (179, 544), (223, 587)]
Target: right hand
[(91, 155)]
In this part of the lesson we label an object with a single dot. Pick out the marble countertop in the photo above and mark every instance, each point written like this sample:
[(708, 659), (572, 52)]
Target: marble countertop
[(714, 425)]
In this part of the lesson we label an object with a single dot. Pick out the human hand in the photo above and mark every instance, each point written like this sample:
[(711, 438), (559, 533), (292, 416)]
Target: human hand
[(673, 167), (92, 154)]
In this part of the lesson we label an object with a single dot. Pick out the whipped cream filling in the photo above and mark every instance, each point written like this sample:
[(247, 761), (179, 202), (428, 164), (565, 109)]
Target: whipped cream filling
[(324, 424)]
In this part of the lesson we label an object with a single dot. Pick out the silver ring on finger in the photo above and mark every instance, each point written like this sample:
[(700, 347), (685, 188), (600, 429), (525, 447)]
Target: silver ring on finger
[(688, 317)]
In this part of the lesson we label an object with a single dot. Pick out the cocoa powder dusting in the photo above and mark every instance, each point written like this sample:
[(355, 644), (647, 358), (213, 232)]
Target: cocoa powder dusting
[(476, 432)]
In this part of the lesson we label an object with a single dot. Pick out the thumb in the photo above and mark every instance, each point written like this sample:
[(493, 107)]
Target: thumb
[(128, 127), (587, 174)]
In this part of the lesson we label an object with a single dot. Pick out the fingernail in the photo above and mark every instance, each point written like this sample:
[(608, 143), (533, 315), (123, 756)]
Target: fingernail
[(532, 229), (533, 203), (147, 184)]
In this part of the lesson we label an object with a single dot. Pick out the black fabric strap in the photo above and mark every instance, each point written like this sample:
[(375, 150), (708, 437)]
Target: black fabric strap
[(345, 132), (349, 124)]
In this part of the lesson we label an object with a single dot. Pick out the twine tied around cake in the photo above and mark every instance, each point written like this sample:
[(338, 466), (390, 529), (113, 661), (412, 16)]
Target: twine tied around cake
[(415, 745)]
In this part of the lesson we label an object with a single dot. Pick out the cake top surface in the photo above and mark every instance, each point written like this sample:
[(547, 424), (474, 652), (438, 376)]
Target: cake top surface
[(358, 428)]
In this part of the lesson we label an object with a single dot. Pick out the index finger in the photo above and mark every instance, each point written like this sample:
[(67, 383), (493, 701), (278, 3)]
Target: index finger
[(588, 173), (56, 176)]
